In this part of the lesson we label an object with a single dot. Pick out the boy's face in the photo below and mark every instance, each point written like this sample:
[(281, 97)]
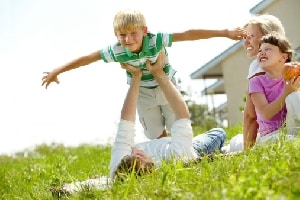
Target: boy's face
[(132, 39)]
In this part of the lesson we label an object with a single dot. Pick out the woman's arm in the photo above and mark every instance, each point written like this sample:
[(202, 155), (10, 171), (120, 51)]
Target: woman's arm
[(250, 125)]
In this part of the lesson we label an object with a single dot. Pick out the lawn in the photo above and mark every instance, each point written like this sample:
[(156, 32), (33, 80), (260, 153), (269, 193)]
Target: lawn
[(269, 172)]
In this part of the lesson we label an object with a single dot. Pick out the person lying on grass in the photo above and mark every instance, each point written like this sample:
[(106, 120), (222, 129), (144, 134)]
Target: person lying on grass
[(141, 158), (128, 157)]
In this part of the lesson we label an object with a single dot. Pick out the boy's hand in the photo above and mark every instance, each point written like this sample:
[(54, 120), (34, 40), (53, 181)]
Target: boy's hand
[(237, 33), (48, 78)]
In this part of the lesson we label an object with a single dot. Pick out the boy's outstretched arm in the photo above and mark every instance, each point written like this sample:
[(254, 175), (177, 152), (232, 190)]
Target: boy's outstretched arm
[(50, 77), (197, 34)]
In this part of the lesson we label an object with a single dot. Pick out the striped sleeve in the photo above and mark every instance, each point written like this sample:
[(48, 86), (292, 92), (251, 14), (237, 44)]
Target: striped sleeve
[(167, 39), (113, 53), (107, 54)]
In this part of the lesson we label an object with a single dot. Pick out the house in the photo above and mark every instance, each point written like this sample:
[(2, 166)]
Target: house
[(230, 67)]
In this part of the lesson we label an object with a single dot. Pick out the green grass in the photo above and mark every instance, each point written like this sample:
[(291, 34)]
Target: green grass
[(269, 172)]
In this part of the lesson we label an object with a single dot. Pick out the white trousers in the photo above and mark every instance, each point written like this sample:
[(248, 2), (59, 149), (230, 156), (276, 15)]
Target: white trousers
[(292, 102)]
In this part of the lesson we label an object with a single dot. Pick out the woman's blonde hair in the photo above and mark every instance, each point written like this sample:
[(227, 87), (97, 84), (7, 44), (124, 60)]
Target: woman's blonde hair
[(126, 20), (267, 24)]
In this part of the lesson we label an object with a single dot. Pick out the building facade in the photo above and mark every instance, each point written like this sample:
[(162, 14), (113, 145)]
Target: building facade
[(230, 67)]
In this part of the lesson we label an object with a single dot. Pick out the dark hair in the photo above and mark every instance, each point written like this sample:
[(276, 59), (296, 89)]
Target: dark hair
[(281, 42), (133, 164)]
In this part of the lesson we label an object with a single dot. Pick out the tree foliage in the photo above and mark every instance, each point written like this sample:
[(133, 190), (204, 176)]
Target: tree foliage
[(200, 116), (202, 119)]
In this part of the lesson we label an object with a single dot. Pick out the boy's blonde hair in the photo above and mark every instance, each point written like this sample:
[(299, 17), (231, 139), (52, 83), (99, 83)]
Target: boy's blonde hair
[(267, 24), (126, 20)]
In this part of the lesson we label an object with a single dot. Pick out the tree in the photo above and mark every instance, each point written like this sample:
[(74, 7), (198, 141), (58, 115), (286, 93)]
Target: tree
[(200, 116)]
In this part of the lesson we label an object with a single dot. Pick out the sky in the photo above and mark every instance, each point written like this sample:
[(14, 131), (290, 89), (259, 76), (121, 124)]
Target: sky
[(38, 36)]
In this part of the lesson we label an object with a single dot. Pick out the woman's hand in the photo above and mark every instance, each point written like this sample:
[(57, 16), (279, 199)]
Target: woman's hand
[(159, 65), (136, 72)]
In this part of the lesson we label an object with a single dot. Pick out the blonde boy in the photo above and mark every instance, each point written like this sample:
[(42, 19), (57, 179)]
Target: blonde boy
[(136, 45)]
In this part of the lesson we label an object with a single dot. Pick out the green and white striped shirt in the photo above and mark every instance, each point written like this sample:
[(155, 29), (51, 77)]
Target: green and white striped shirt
[(152, 45)]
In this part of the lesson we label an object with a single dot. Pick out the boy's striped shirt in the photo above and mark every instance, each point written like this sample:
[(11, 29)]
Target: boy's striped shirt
[(152, 45)]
